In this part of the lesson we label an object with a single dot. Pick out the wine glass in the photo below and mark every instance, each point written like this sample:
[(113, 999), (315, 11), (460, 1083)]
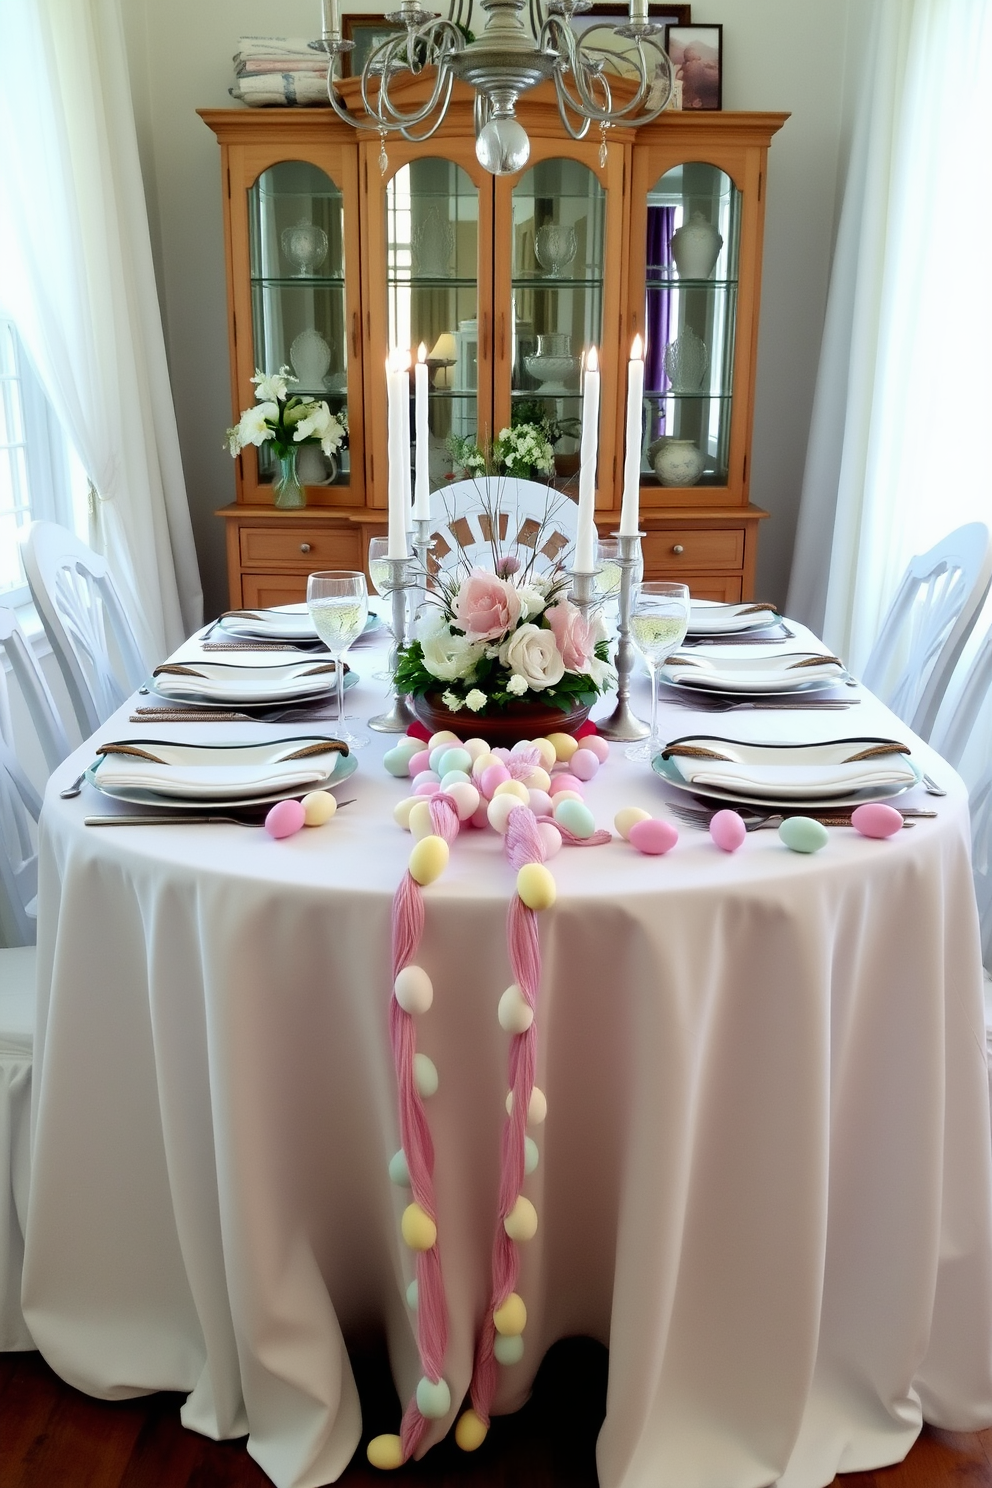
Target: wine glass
[(338, 601), (658, 622), (379, 574)]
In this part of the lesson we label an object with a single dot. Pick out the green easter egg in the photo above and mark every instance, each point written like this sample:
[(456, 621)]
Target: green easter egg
[(576, 816), (433, 1400), (413, 1295), (424, 1076), (508, 1350), (455, 759), (397, 761), (803, 835), (399, 1173), (532, 1155)]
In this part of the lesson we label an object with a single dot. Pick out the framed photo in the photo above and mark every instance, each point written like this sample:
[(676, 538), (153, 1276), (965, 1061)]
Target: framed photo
[(697, 57), (366, 31)]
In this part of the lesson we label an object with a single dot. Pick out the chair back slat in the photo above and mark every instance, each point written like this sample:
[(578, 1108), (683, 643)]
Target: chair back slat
[(34, 689), (535, 523), (20, 809)]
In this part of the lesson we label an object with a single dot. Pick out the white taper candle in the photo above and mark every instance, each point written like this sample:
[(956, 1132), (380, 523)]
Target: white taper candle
[(585, 540), (422, 485), (630, 505), (395, 455), (404, 362)]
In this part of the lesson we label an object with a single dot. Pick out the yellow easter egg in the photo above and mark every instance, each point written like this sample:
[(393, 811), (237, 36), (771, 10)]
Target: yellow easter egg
[(318, 808), (511, 1318), (535, 886), (513, 788), (419, 820), (564, 745), (428, 859), (444, 737), (402, 809), (417, 1228), (538, 778), (546, 750), (521, 1222), (627, 818), (566, 795), (470, 1431), (385, 1451)]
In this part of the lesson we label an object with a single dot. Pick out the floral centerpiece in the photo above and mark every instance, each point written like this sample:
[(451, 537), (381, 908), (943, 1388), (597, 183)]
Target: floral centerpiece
[(519, 450), (286, 422)]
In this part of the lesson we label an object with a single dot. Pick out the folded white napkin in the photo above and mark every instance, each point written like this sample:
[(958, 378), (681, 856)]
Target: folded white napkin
[(269, 678), (206, 775), (782, 672), (711, 618), (785, 782)]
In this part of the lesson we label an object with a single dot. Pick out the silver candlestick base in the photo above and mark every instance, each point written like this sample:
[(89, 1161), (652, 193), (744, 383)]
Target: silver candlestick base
[(583, 591), (623, 723), (399, 582), (423, 545)]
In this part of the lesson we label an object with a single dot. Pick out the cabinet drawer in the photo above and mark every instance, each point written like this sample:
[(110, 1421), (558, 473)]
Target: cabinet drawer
[(713, 586), (262, 591), (694, 550), (306, 548)]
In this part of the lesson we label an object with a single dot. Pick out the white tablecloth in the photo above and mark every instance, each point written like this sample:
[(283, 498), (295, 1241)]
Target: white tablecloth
[(764, 1176)]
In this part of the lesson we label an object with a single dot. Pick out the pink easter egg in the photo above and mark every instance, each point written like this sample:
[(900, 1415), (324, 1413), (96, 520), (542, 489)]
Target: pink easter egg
[(583, 763), (285, 818), (426, 787), (502, 754), (565, 781), (420, 761), (653, 836), (540, 802), (492, 776), (550, 838), (598, 746), (875, 819), (727, 830), (480, 817)]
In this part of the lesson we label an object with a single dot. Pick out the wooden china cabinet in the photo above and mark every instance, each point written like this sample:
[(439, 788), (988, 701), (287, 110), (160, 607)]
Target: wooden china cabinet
[(331, 260)]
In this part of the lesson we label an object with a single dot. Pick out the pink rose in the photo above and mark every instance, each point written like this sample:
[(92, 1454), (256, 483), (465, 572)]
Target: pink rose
[(574, 636), (486, 606)]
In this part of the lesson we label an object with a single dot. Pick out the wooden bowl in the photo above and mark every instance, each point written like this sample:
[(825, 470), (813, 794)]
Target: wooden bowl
[(504, 726)]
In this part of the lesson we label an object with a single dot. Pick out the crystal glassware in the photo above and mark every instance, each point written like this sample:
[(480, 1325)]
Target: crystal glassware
[(379, 574), (658, 622), (305, 245), (338, 601), (555, 246)]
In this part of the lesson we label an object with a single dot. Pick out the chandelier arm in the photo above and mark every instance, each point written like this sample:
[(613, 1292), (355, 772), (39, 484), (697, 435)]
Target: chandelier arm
[(571, 59), (405, 129), (440, 39)]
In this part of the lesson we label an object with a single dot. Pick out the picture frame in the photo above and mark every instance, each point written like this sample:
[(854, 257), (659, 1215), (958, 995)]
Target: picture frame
[(615, 14), (702, 83), (366, 31)]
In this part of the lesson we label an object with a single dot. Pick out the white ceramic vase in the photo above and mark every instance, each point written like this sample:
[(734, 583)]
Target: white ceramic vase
[(696, 247), (677, 462)]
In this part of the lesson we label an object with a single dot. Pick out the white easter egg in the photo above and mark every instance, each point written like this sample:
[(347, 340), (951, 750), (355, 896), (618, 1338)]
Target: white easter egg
[(498, 812), (550, 838), (413, 989), (514, 1012), (466, 798), (425, 1076)]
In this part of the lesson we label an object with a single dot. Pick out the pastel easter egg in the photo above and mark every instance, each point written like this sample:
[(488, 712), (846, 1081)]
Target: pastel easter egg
[(727, 830), (512, 788), (318, 808), (536, 886), (539, 801), (285, 818), (492, 776), (433, 1398), (550, 838), (425, 1076), (537, 1108), (443, 736), (385, 1452), (402, 809), (566, 795), (455, 759), (564, 745), (596, 745), (419, 821), (413, 1295), (419, 762), (476, 748), (428, 860), (565, 781), (875, 819), (437, 755), (455, 777), (470, 1431), (510, 1318), (514, 1012), (626, 818), (653, 837), (576, 816), (522, 746), (482, 764), (418, 732), (413, 989), (417, 1228), (480, 816), (426, 787), (508, 1350), (498, 812), (465, 797), (537, 778), (583, 764), (397, 761), (503, 755), (532, 1155), (547, 752), (399, 1172), (803, 835), (521, 1222)]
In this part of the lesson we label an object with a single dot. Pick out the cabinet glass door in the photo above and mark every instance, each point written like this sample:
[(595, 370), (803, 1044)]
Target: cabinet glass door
[(297, 265), (693, 238), (432, 272), (558, 258)]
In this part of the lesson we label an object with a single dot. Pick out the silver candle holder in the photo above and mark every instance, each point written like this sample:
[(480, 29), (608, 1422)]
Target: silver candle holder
[(423, 545), (623, 723), (399, 582), (583, 591)]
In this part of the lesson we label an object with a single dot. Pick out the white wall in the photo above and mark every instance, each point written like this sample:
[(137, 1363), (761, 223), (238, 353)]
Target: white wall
[(778, 54)]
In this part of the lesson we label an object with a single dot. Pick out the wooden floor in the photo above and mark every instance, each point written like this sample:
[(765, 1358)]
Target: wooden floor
[(51, 1436)]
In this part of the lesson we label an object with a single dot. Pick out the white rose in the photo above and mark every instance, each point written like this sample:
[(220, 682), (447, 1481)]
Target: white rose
[(532, 601), (452, 701), (517, 685), (448, 656), (476, 700), (533, 655)]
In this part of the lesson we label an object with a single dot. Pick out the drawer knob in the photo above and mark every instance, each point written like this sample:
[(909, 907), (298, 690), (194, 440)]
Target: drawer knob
[(304, 547), (678, 548)]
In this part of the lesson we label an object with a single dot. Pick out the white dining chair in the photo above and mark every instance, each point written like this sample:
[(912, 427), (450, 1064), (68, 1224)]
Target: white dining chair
[(533, 519), (928, 624), (85, 621), (40, 704)]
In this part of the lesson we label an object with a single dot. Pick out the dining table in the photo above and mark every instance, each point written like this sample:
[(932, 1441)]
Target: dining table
[(764, 1177)]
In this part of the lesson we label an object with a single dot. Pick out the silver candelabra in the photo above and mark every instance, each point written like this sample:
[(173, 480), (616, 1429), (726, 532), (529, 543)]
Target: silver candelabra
[(399, 582), (623, 723)]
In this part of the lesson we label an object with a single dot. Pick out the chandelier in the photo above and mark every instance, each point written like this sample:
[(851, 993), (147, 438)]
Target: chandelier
[(506, 60)]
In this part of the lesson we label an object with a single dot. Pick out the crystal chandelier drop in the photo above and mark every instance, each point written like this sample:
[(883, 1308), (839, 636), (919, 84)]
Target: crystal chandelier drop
[(509, 58)]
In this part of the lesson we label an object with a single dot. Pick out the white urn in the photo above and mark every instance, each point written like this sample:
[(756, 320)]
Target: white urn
[(696, 247), (677, 462)]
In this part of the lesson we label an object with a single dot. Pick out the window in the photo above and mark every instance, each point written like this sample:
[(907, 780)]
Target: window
[(40, 474)]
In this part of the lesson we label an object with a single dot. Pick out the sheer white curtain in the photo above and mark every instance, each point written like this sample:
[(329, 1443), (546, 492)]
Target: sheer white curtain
[(76, 272), (899, 444)]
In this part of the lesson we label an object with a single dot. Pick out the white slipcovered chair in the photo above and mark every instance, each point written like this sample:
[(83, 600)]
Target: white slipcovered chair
[(34, 690), (535, 522), (928, 624), (78, 605)]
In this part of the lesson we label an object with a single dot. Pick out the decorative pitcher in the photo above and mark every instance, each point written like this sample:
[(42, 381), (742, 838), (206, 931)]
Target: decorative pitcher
[(696, 247), (677, 462)]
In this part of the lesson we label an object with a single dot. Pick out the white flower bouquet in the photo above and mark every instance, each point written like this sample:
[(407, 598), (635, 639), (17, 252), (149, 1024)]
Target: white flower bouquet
[(519, 450), (284, 420)]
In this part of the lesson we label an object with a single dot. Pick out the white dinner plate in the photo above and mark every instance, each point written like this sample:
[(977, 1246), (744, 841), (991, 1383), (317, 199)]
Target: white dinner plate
[(793, 775), (281, 623), (267, 679), (712, 617), (787, 671), (232, 759)]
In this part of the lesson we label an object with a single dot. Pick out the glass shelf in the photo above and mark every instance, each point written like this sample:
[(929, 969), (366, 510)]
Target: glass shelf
[(299, 281)]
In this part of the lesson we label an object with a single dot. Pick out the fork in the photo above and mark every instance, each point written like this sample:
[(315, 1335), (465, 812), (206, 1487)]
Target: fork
[(703, 704), (700, 816)]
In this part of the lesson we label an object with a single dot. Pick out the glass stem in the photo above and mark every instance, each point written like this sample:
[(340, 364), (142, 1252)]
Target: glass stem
[(339, 679), (654, 702)]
